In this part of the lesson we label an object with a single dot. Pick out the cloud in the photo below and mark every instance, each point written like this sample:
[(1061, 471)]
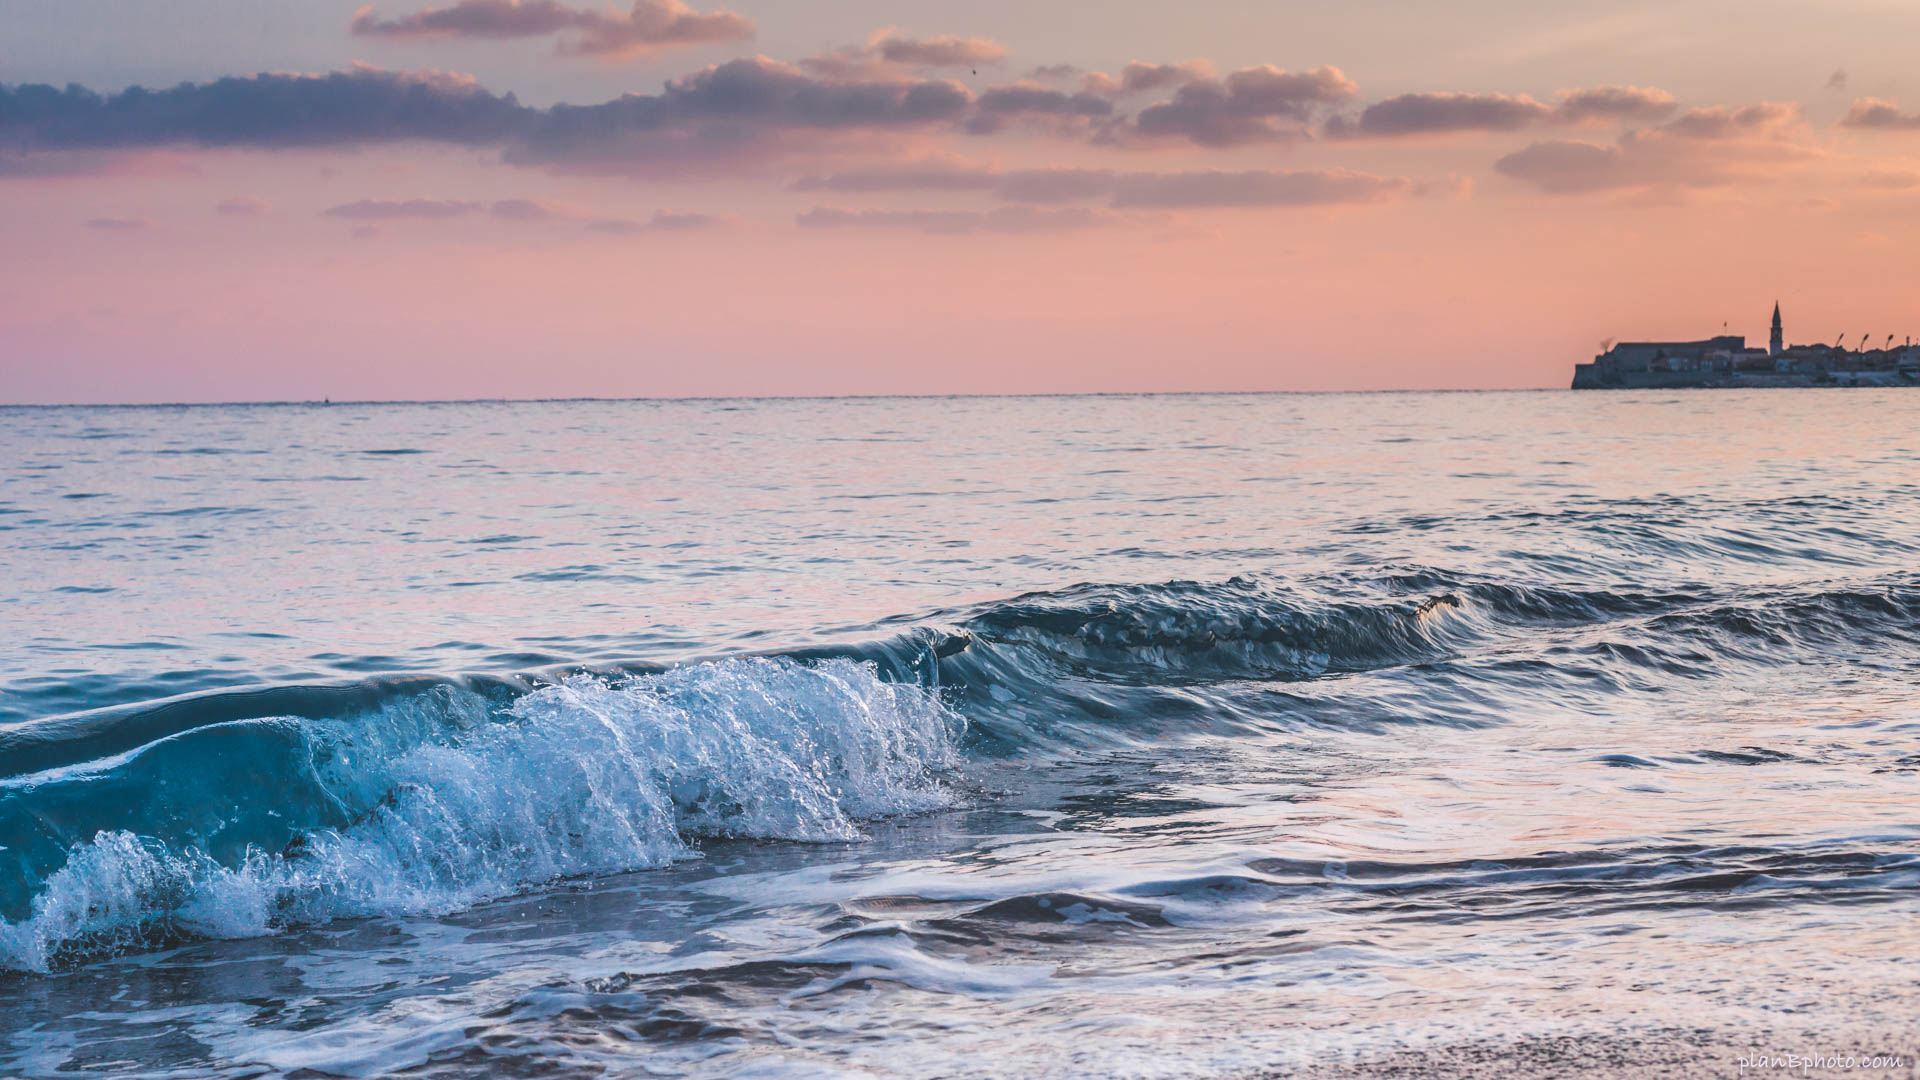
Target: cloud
[(1053, 71), (1565, 165), (888, 54), (1701, 149), (24, 163), (1024, 185), (1137, 77), (853, 63), (1837, 80), (936, 176), (743, 116), (763, 91), (1006, 219), (650, 27), (243, 206), (533, 210), (1123, 191), (1260, 187), (394, 210), (1055, 185), (617, 226), (750, 110), (939, 52), (357, 106), (1440, 113), (112, 224), (443, 209), (660, 222), (929, 221), (732, 115), (1720, 122), (663, 221), (999, 105), (1251, 105), (1445, 113), (471, 18), (1875, 114), (1613, 103), (1161, 190), (654, 25)]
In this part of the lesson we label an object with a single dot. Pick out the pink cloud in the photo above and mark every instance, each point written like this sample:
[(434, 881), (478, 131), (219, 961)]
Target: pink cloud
[(1879, 115), (1702, 148), (888, 54), (402, 209), (1164, 190), (1440, 113), (243, 206), (1613, 103), (662, 221), (1006, 219), (534, 210), (651, 26), (1137, 77), (1256, 104)]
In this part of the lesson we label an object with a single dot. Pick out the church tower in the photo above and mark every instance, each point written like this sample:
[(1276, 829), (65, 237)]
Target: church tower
[(1775, 341)]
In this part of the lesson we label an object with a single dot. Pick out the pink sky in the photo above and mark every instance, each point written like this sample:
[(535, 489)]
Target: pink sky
[(928, 198)]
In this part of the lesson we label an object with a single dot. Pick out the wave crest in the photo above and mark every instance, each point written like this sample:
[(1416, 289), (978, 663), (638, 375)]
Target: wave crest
[(442, 801), (1184, 632)]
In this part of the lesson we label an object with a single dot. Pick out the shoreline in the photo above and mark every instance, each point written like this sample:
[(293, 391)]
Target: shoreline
[(1657, 1054)]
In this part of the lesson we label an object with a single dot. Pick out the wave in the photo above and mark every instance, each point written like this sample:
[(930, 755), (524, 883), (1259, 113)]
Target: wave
[(1099, 651), (442, 799), (1180, 634), (1096, 653), (236, 812), (1094, 663), (1183, 632)]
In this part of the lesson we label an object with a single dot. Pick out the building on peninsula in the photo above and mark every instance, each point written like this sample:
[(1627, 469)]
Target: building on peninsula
[(1727, 361)]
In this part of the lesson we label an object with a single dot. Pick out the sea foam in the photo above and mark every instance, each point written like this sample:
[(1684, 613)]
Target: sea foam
[(441, 801)]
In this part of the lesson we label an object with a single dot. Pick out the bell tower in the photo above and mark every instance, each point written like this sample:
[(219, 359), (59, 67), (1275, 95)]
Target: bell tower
[(1776, 341)]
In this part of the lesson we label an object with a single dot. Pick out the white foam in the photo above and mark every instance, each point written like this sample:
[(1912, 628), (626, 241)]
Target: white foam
[(585, 777)]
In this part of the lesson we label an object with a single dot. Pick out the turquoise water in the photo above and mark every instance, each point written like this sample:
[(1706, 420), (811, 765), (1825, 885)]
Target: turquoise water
[(927, 737)]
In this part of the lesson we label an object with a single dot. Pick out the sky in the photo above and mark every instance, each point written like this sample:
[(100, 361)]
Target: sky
[(223, 200)]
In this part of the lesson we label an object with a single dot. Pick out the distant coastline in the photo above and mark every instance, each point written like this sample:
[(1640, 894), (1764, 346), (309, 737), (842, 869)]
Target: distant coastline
[(1726, 362)]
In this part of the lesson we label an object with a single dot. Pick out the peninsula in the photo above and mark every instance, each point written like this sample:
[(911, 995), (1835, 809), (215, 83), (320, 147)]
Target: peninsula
[(1726, 361)]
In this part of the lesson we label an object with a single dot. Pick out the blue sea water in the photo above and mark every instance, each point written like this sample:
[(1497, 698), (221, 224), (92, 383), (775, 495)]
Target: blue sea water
[(1103, 736)]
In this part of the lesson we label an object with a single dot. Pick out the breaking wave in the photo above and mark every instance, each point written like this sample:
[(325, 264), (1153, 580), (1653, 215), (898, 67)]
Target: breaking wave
[(439, 800), (238, 812)]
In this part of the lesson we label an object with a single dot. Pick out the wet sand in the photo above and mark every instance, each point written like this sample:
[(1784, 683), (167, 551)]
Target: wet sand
[(1661, 1055)]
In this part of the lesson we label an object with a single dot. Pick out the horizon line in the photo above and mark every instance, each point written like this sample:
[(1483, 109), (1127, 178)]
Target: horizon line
[(328, 403)]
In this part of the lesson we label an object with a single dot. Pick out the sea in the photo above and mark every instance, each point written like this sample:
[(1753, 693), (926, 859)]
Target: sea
[(1111, 736)]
